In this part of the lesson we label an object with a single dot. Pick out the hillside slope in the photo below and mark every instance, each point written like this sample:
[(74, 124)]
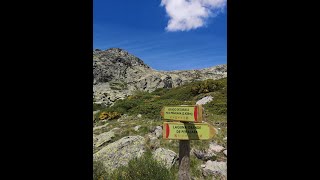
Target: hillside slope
[(117, 74), (137, 119)]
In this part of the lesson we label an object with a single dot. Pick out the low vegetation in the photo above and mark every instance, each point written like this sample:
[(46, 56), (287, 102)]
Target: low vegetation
[(148, 106), (143, 168), (109, 115)]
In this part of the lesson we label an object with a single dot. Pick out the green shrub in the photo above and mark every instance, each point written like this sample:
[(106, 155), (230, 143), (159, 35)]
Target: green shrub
[(143, 168), (99, 172), (123, 106), (97, 106), (195, 167), (160, 91), (208, 85), (103, 115), (182, 93), (142, 95), (219, 103), (150, 104), (152, 109)]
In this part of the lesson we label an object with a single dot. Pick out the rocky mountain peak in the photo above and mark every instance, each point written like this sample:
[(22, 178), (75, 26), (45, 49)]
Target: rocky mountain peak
[(117, 73), (117, 56)]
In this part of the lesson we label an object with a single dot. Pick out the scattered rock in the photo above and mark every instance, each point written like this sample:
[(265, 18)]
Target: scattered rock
[(100, 127), (120, 152), (154, 142), (158, 131), (225, 152), (116, 130), (214, 167), (204, 155), (98, 102), (225, 139), (203, 165), (215, 147), (166, 156), (136, 128), (104, 121), (205, 100), (103, 138), (139, 115)]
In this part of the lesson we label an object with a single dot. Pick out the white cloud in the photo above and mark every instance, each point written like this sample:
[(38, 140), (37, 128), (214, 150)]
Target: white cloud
[(190, 14)]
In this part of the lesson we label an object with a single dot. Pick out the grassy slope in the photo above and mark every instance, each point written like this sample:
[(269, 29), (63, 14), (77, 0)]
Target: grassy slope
[(150, 104)]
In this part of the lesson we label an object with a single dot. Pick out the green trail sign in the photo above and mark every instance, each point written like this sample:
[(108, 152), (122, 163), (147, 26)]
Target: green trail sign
[(182, 113), (188, 131)]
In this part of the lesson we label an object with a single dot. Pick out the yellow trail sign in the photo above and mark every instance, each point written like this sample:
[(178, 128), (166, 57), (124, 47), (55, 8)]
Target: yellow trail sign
[(182, 113), (188, 131)]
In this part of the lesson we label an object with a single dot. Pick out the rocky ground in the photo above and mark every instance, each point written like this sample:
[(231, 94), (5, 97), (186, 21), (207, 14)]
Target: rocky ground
[(116, 142)]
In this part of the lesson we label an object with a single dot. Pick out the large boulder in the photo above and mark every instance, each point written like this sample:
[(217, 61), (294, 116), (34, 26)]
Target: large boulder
[(215, 147), (204, 155), (120, 152), (215, 168), (165, 156), (205, 100), (208, 154)]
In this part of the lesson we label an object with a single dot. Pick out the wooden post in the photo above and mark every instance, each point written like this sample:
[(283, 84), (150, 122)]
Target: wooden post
[(184, 160)]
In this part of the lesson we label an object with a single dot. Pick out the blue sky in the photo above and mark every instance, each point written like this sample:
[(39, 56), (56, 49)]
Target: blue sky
[(165, 34)]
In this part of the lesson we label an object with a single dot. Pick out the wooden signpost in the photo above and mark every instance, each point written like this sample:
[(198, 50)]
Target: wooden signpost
[(189, 128)]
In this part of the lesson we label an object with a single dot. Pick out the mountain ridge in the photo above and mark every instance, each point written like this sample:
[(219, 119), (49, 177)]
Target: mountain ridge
[(117, 74)]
